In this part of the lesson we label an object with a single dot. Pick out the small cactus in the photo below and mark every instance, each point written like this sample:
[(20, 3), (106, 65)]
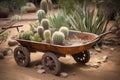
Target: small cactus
[(47, 36), (44, 5), (65, 31), (58, 38), (45, 23), (40, 31), (41, 14)]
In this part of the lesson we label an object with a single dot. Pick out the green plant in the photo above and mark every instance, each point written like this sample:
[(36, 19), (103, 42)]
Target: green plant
[(41, 14), (40, 31), (65, 31), (4, 36), (86, 21), (36, 38), (58, 38), (24, 9), (13, 5), (45, 23), (15, 18), (47, 36), (56, 21), (69, 5), (34, 25), (44, 5)]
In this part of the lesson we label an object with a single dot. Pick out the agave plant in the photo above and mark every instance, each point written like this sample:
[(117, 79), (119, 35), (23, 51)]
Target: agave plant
[(87, 21), (59, 19)]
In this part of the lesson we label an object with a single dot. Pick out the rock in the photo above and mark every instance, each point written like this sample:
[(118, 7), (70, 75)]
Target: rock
[(97, 49), (31, 7), (39, 67), (1, 56), (64, 74), (95, 65), (104, 47), (12, 42), (112, 49), (4, 12), (6, 51), (41, 71), (105, 58)]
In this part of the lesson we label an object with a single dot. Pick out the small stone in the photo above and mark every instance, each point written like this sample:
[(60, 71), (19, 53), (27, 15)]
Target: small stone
[(104, 47), (39, 67), (112, 49), (41, 71), (1, 56), (105, 58), (95, 65), (99, 62), (97, 49), (12, 42), (64, 74)]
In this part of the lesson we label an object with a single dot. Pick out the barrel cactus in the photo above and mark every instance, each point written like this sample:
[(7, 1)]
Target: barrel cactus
[(58, 38), (65, 31), (45, 23), (40, 31), (47, 36), (44, 5), (41, 14)]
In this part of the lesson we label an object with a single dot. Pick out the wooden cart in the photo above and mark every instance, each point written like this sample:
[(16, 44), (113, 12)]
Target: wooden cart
[(51, 64)]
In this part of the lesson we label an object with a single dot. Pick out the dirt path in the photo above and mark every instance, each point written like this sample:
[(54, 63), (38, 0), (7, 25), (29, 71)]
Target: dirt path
[(109, 70)]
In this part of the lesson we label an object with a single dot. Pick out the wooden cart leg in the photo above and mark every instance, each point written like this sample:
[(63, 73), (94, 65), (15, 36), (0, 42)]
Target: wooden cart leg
[(82, 57), (51, 63), (22, 56)]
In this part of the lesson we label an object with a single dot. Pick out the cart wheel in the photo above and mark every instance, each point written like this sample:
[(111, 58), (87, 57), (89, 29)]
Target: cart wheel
[(22, 56), (51, 63), (82, 57)]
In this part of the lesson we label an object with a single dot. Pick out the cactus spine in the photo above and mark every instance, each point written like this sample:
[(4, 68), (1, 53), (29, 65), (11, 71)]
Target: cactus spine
[(58, 38), (47, 36), (40, 31), (45, 23), (44, 5), (65, 31), (41, 14)]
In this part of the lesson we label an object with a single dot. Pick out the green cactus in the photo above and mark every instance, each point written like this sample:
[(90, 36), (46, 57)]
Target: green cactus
[(65, 31), (44, 5), (58, 38), (47, 36), (36, 38), (41, 14), (40, 31), (45, 23)]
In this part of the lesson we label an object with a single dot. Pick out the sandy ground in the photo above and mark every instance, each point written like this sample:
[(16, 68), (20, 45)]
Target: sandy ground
[(109, 70)]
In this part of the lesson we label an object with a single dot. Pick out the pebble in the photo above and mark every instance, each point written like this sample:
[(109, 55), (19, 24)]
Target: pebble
[(39, 67), (64, 74), (41, 71), (104, 59), (97, 49), (1, 56), (95, 65), (112, 49)]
